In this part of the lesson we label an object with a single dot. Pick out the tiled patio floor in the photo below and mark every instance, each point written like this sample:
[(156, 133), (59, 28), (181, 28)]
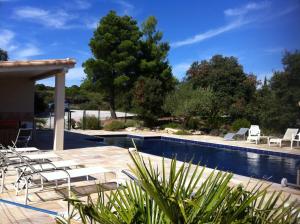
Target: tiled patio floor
[(91, 154)]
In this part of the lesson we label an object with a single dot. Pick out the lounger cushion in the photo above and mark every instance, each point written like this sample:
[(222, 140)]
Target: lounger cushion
[(41, 156), (82, 172), (57, 164), (229, 136)]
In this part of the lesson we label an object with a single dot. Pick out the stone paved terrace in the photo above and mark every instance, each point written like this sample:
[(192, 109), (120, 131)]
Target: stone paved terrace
[(91, 154)]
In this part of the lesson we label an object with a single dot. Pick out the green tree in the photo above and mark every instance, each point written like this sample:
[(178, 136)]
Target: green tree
[(155, 74), (115, 50), (225, 76), (187, 102), (3, 55), (148, 98), (278, 100)]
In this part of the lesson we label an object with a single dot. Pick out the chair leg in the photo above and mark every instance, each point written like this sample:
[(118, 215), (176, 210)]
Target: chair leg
[(17, 188), (69, 187), (42, 183), (26, 191), (2, 181)]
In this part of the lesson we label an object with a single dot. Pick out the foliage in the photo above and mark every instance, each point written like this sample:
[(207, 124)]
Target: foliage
[(182, 132), (89, 122), (240, 123), (193, 123), (148, 96), (187, 102), (44, 95), (79, 97), (40, 122), (133, 123), (115, 50), (114, 125), (3, 55), (233, 88), (278, 100), (155, 74), (185, 194)]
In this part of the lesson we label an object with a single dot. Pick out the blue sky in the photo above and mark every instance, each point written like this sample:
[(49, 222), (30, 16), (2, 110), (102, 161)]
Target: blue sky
[(256, 32)]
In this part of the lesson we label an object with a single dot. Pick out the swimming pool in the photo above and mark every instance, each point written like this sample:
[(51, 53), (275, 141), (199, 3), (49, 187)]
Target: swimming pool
[(272, 166)]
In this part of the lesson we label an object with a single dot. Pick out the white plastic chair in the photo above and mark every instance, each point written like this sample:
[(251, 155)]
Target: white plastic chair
[(289, 136), (254, 134)]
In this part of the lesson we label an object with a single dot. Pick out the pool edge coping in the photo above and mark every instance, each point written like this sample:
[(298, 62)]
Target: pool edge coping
[(209, 144)]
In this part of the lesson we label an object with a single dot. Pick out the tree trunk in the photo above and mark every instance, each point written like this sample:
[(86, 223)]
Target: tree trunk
[(113, 112), (112, 98), (112, 107)]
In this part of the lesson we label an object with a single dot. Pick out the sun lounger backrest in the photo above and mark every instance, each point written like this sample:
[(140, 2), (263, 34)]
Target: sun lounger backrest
[(290, 133), (23, 160), (242, 131), (3, 158), (254, 130)]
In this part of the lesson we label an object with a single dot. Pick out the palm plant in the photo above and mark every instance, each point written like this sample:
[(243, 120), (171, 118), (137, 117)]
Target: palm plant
[(184, 195)]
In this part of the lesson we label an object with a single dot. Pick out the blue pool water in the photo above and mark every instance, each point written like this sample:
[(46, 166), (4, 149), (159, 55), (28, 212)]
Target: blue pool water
[(261, 166)]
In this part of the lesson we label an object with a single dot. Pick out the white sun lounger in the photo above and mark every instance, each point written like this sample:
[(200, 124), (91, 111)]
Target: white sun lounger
[(289, 136), (42, 166), (55, 165), (22, 150), (231, 136), (55, 175), (42, 156)]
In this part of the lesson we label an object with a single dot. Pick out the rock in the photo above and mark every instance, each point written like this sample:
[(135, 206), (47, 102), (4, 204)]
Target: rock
[(197, 133), (171, 130), (131, 129)]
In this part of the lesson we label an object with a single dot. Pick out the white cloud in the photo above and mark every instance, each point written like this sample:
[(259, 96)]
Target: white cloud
[(180, 69), (15, 49), (92, 24), (82, 4), (246, 8), (210, 33), (274, 50), (73, 77), (26, 52), (54, 19), (75, 74), (240, 18), (127, 8), (6, 40)]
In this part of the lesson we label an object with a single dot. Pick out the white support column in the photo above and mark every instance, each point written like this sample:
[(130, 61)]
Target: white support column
[(59, 111)]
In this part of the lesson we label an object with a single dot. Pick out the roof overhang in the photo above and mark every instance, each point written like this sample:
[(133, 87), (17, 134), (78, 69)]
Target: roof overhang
[(34, 69)]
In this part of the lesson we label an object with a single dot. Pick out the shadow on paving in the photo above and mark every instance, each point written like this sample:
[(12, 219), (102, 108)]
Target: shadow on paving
[(44, 140)]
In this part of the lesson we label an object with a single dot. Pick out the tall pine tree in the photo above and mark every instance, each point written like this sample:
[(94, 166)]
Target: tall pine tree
[(115, 46), (156, 78)]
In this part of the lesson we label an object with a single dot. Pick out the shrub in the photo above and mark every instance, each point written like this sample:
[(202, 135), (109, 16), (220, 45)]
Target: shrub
[(182, 132), (240, 123), (187, 195), (73, 123), (215, 132), (40, 122), (114, 125), (133, 123), (89, 122), (192, 123)]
